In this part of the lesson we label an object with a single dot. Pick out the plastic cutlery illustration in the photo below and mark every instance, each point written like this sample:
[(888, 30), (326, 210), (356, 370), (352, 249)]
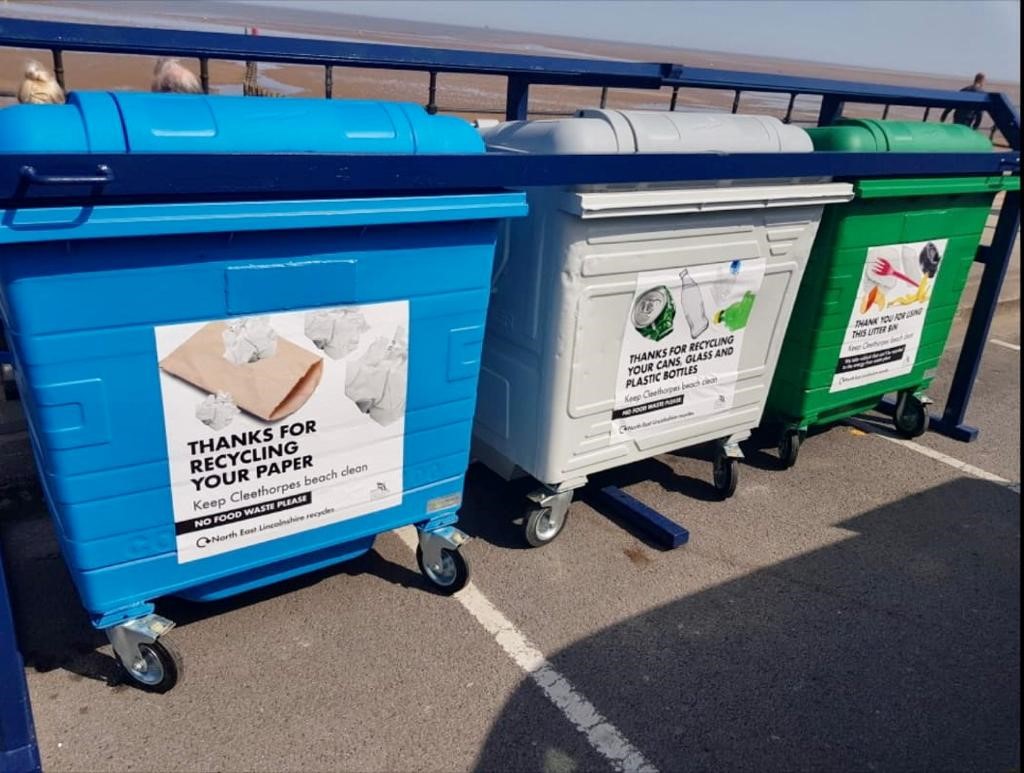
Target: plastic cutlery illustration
[(882, 267)]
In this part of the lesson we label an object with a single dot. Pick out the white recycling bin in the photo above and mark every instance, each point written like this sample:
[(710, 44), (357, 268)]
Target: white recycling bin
[(631, 320)]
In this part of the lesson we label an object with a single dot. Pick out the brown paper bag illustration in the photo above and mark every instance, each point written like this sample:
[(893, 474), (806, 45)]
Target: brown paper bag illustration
[(270, 389)]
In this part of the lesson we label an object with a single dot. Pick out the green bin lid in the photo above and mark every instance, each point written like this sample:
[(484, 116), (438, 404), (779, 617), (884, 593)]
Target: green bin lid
[(866, 135)]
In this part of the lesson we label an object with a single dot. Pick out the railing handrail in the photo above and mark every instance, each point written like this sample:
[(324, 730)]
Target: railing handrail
[(100, 38), (161, 176), (544, 70)]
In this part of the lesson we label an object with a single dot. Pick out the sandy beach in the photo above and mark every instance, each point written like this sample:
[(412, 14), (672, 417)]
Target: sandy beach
[(471, 96)]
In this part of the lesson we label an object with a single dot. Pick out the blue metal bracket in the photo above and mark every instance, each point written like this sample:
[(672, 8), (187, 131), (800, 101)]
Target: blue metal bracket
[(666, 533), (18, 750)]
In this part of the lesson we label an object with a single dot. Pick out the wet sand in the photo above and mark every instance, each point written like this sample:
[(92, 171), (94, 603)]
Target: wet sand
[(472, 96)]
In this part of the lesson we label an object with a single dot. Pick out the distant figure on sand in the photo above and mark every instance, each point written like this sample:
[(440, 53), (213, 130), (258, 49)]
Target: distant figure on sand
[(170, 76), (39, 87), (967, 116)]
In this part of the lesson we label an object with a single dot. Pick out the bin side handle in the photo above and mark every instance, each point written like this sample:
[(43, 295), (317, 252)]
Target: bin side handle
[(104, 174)]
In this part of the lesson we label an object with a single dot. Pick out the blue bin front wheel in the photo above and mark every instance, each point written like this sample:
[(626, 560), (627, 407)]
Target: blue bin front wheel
[(158, 668), (449, 574)]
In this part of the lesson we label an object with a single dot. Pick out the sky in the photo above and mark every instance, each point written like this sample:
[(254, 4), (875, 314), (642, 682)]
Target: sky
[(944, 37)]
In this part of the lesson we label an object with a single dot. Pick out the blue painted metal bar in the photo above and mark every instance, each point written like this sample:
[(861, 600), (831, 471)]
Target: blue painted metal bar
[(666, 533), (996, 259), (98, 38), (140, 176), (18, 750), (60, 36), (831, 110), (1006, 118), (517, 99), (852, 91)]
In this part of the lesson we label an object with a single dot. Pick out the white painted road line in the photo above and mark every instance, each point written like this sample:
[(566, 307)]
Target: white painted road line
[(602, 735), (1007, 344), (964, 467)]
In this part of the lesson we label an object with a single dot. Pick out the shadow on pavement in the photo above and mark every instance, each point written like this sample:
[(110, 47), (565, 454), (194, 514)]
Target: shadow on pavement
[(897, 648), (52, 627), (493, 508)]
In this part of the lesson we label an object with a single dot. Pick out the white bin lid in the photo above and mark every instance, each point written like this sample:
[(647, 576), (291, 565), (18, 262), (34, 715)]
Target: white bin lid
[(643, 131)]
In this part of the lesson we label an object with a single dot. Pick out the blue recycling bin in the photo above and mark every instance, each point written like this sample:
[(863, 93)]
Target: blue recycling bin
[(225, 394)]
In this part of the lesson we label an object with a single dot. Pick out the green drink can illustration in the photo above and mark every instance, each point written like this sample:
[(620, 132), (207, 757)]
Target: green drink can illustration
[(653, 313)]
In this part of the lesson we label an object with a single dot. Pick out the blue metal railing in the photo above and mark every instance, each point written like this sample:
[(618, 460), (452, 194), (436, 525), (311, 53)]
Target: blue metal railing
[(521, 70), (152, 176), (160, 177)]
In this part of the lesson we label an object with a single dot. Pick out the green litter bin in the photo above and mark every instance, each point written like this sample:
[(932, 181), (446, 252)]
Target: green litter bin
[(882, 285)]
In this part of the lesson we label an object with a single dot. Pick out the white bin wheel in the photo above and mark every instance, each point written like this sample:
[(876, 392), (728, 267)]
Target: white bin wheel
[(911, 417), (158, 670), (542, 524), (789, 448), (727, 475), (451, 576)]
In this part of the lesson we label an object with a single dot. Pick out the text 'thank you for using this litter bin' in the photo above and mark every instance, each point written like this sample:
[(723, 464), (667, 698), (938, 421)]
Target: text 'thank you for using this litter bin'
[(281, 423), (888, 315)]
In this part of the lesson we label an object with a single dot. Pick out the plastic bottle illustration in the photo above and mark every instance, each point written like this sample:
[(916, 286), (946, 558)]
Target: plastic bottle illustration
[(693, 305), (723, 288), (735, 316)]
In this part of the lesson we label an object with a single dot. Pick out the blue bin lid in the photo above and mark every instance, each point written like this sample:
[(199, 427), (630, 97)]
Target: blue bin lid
[(112, 122)]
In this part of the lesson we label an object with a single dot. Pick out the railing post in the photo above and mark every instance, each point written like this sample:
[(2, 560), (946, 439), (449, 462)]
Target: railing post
[(831, 110), (432, 93), (18, 750), (885, 112), (736, 101), (58, 67), (204, 74), (604, 97), (517, 98), (328, 81), (996, 259), (927, 112), (675, 98), (789, 108)]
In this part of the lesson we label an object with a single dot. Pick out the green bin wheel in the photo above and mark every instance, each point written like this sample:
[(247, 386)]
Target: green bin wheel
[(911, 416), (789, 448), (726, 475)]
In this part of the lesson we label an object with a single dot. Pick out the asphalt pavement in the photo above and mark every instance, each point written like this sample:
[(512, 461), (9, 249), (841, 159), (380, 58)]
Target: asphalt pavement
[(858, 612)]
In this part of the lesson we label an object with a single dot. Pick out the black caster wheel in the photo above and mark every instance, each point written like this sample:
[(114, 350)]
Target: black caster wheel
[(911, 416), (450, 576), (789, 448), (157, 670), (542, 524), (727, 475)]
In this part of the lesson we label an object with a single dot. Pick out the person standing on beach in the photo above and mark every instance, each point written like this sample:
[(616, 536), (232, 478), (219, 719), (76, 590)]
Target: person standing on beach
[(39, 87), (967, 116)]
